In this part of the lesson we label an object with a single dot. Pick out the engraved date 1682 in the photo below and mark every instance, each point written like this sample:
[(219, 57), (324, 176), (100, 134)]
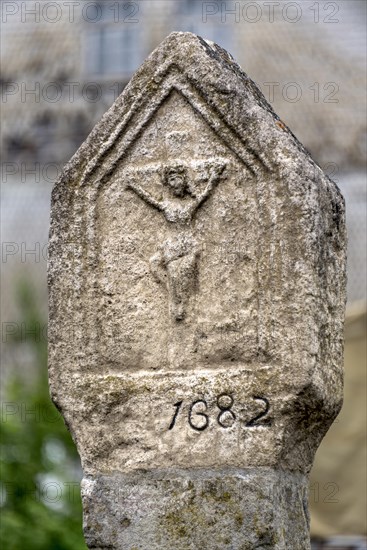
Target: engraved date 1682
[(199, 416)]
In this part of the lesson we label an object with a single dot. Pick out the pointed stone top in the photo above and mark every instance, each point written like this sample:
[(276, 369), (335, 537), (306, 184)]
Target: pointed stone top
[(186, 61)]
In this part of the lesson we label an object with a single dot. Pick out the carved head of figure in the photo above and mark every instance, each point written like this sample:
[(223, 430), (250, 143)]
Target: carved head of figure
[(175, 177)]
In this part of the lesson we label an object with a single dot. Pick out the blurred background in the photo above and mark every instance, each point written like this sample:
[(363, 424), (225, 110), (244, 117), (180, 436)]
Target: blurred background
[(63, 64)]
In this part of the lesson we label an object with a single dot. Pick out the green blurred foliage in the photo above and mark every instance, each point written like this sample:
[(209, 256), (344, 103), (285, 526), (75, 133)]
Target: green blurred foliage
[(40, 468)]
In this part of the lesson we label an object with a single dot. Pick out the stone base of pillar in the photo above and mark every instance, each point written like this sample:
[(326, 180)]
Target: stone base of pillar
[(234, 509)]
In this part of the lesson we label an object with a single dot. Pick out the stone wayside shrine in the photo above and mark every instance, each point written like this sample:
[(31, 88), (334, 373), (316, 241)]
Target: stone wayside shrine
[(197, 294)]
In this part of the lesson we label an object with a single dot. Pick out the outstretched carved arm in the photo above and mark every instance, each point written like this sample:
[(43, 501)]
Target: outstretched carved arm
[(147, 197), (215, 173)]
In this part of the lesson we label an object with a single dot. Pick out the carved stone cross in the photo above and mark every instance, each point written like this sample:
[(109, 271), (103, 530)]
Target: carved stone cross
[(197, 291)]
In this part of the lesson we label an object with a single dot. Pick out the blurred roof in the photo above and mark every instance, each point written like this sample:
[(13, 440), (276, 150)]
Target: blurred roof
[(320, 58)]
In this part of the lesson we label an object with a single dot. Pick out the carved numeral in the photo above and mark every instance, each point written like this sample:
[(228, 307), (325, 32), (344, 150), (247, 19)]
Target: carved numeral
[(178, 406), (255, 421), (226, 417), (196, 424)]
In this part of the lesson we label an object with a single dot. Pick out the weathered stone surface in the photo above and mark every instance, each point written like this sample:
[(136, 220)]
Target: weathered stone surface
[(216, 509), (197, 290)]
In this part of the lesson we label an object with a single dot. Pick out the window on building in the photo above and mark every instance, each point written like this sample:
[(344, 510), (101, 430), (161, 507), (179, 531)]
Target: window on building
[(113, 48)]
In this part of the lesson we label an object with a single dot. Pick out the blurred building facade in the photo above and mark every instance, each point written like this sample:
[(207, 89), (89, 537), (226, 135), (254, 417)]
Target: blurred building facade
[(64, 63), (62, 69)]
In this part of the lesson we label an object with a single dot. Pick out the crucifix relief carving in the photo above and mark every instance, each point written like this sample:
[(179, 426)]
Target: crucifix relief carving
[(175, 262)]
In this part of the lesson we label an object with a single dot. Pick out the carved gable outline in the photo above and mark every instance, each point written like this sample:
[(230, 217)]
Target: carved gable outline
[(146, 107)]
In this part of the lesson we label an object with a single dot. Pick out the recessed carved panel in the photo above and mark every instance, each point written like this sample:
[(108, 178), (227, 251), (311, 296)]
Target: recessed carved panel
[(181, 203)]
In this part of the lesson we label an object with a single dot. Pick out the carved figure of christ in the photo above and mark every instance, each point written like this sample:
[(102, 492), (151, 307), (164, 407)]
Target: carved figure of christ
[(175, 262), (179, 209)]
